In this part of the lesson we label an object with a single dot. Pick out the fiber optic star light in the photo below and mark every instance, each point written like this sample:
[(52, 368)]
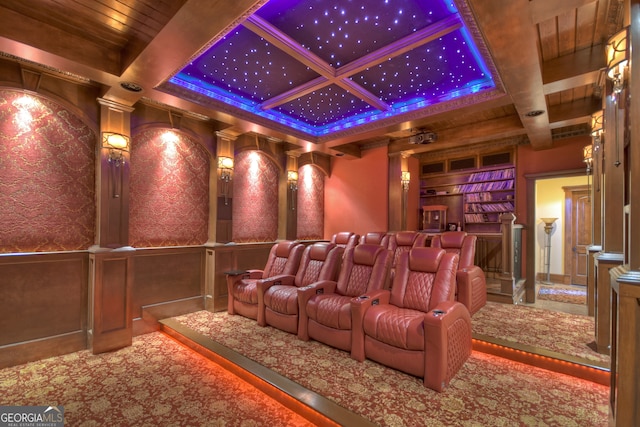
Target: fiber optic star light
[(317, 68)]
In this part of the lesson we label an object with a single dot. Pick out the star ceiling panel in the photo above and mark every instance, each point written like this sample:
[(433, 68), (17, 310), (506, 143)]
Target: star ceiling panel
[(320, 67)]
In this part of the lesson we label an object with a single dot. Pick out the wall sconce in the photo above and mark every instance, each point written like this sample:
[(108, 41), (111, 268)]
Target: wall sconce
[(597, 125), (617, 52), (117, 144), (587, 155), (225, 173), (292, 180), (405, 179)]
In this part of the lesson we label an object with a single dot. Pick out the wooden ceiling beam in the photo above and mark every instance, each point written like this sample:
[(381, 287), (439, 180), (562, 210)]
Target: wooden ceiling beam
[(511, 38), (572, 113), (479, 132), (541, 10), (577, 69)]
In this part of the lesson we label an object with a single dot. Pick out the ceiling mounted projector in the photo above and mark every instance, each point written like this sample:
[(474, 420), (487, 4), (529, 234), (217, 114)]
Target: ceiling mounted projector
[(423, 138)]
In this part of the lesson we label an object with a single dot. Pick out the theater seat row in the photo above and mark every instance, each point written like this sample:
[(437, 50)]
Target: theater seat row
[(339, 296), (471, 284)]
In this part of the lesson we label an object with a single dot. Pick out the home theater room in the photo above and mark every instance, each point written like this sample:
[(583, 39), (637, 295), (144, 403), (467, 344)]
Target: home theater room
[(319, 213)]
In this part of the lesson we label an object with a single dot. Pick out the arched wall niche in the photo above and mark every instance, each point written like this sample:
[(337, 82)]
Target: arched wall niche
[(169, 188), (47, 174)]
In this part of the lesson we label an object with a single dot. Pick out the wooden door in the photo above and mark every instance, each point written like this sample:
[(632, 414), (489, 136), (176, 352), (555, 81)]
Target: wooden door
[(577, 233)]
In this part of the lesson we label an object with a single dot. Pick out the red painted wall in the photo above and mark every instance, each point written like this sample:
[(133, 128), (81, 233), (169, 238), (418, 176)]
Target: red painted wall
[(356, 194)]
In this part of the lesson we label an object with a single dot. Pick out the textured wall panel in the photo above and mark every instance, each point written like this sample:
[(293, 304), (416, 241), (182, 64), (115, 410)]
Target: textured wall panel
[(169, 190), (255, 198), (47, 170), (310, 203)]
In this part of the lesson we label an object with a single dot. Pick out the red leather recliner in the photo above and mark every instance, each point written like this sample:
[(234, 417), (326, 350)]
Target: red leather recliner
[(325, 310), (417, 327), (242, 293), (278, 295), (472, 283), (403, 241), (345, 239)]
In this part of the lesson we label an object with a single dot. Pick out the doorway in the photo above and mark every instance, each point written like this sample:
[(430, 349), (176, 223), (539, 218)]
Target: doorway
[(561, 250)]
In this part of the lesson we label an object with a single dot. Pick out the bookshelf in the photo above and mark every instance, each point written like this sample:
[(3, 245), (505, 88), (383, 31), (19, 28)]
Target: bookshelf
[(476, 198)]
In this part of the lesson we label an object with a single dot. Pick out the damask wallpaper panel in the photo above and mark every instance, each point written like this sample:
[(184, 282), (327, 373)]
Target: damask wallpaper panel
[(169, 190), (47, 176), (255, 198), (310, 203)]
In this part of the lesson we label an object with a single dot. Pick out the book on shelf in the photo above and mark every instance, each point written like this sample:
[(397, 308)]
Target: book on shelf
[(492, 175)]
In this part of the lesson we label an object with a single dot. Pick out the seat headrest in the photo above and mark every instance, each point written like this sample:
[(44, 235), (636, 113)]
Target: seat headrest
[(452, 239), (284, 248), (366, 253), (405, 238), (374, 237), (425, 259), (342, 237), (320, 250)]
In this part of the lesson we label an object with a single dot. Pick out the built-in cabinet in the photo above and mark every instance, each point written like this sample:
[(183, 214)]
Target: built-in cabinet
[(475, 196)]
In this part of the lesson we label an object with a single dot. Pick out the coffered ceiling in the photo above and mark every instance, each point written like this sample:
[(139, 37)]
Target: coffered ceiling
[(336, 76)]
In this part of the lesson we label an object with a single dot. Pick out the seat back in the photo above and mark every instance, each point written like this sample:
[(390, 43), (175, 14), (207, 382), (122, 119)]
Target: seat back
[(458, 242), (284, 258), (425, 276), (403, 241), (380, 238), (346, 239), (364, 268), (320, 261)]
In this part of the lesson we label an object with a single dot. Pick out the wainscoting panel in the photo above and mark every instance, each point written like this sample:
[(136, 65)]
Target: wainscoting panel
[(44, 305), (165, 275), (236, 257)]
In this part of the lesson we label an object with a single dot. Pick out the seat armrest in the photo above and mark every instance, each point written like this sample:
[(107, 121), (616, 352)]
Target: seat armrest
[(263, 285), (447, 335), (304, 294), (282, 279), (359, 307), (472, 288)]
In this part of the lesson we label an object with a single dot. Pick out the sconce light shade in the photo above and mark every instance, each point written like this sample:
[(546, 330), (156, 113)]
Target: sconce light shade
[(117, 145), (597, 123), (405, 178), (587, 153), (115, 141), (225, 163), (617, 53), (292, 176)]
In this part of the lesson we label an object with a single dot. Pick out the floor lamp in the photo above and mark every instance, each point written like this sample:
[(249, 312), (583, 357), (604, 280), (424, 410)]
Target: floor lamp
[(548, 226)]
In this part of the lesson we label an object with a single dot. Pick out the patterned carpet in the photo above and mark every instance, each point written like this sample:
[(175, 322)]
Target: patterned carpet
[(567, 294), (540, 328), (488, 391), (155, 382)]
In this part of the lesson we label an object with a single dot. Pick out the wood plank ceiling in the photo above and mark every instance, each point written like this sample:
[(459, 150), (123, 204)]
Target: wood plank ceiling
[(549, 56)]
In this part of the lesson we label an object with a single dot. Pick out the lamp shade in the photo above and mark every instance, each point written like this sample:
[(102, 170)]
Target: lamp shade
[(617, 52), (597, 123), (587, 153), (225, 162), (115, 141)]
